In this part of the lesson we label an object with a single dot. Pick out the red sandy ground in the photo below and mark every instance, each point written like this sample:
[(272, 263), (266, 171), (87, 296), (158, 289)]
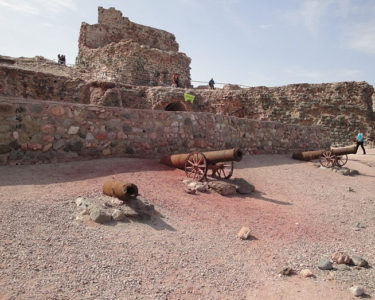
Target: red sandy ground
[(298, 215)]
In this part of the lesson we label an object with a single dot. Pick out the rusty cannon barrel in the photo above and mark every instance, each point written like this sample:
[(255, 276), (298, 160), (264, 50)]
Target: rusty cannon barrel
[(311, 155), (344, 150), (120, 190), (307, 155), (178, 160)]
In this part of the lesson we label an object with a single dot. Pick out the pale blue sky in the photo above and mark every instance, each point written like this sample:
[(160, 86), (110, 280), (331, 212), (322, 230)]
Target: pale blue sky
[(252, 42)]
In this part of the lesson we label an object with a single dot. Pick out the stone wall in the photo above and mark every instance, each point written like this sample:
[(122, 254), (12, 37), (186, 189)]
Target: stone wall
[(343, 107), (45, 131), (117, 49)]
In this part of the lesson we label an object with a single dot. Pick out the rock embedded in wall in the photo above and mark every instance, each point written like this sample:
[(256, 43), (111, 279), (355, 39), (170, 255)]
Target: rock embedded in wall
[(62, 132)]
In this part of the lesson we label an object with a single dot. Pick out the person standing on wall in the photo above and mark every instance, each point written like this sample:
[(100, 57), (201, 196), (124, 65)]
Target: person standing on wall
[(176, 80), (360, 140), (211, 83)]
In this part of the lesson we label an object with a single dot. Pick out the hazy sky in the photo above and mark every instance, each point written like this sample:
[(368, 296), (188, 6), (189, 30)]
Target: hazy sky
[(248, 42)]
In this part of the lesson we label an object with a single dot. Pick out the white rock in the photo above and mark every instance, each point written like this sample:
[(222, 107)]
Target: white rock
[(306, 273), (244, 233), (73, 130), (357, 290), (118, 215)]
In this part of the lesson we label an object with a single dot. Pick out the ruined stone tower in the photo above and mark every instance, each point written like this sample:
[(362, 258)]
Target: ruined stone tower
[(119, 50)]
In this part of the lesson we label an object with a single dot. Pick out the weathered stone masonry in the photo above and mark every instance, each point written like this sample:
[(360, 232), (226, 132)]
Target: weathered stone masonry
[(45, 131), (343, 107), (119, 50)]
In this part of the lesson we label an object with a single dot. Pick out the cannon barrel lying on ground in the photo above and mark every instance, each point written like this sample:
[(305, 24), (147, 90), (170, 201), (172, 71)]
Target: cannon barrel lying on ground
[(310, 155), (178, 160), (123, 191)]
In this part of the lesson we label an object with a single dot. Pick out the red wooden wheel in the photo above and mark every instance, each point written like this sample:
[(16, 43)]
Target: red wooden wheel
[(196, 166), (342, 160), (327, 159), (224, 171)]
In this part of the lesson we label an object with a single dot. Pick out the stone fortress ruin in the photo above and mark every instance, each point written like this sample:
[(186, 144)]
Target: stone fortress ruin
[(117, 100)]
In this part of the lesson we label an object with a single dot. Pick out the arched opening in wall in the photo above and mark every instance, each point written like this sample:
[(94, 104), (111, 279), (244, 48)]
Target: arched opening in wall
[(175, 106)]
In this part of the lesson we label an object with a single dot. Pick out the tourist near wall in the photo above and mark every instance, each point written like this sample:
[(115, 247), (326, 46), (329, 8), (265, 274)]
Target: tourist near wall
[(34, 131)]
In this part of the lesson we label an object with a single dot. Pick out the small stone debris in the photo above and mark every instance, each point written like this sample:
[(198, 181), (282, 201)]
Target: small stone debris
[(341, 258), (359, 261), (344, 171), (351, 189), (105, 209), (357, 291), (242, 186), (118, 215), (223, 188), (99, 215), (244, 233), (287, 272), (190, 191), (306, 273), (325, 264), (342, 267), (192, 186)]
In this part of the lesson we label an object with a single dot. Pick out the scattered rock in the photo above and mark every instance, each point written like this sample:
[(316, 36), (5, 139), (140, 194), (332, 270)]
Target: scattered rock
[(186, 181), (306, 273), (82, 204), (342, 170), (190, 191), (351, 189), (354, 172), (130, 212), (342, 267), (99, 216), (223, 188), (118, 215), (359, 261), (357, 291), (325, 264), (242, 186), (202, 187), (244, 233), (341, 258), (287, 271)]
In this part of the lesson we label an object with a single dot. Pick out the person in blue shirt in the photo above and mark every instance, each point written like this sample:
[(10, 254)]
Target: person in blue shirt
[(360, 140)]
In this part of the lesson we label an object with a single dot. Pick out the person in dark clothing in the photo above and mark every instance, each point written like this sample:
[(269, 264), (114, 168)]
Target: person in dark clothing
[(63, 59), (176, 80), (360, 140), (59, 59), (211, 83)]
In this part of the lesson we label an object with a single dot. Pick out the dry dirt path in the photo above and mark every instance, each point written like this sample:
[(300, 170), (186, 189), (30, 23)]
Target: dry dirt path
[(298, 215)]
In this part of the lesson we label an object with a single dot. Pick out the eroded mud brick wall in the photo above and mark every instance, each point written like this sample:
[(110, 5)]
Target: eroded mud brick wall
[(44, 131), (120, 50)]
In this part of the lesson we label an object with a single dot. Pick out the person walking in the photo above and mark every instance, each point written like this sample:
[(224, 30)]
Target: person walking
[(360, 140)]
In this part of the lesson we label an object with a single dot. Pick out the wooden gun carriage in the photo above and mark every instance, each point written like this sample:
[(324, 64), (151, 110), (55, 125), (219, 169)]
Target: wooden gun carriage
[(197, 164), (328, 158)]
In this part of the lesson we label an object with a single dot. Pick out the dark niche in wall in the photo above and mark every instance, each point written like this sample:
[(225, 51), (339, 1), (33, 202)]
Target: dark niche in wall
[(175, 106)]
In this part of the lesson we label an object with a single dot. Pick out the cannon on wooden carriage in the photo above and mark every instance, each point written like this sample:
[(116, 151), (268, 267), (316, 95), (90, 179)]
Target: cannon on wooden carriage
[(197, 164), (328, 158)]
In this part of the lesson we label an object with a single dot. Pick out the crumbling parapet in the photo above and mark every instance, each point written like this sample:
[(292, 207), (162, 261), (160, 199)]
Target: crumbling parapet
[(122, 51)]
